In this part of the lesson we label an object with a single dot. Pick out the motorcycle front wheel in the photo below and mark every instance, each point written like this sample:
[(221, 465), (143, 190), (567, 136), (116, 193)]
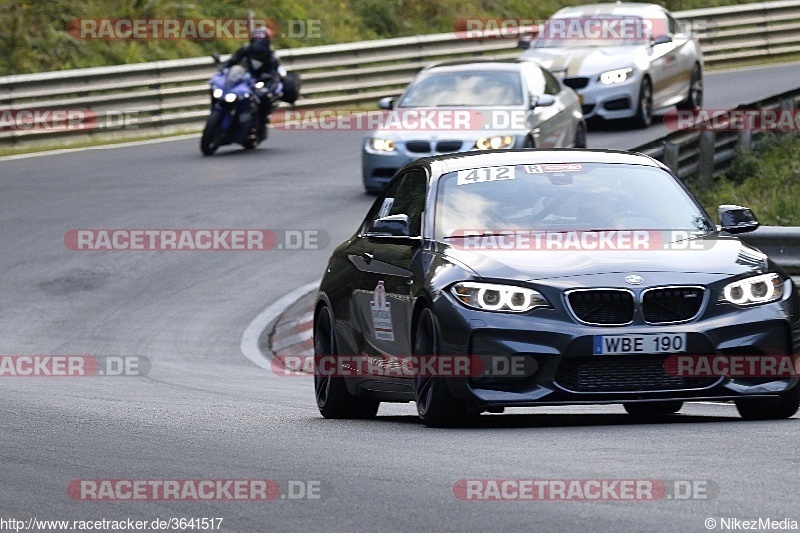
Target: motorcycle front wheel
[(212, 134)]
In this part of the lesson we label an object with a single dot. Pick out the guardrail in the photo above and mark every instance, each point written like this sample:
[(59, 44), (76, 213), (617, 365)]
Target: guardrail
[(706, 148), (781, 244), (169, 96)]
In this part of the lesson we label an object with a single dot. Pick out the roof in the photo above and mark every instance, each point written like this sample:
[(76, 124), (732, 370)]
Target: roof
[(610, 8), (442, 164)]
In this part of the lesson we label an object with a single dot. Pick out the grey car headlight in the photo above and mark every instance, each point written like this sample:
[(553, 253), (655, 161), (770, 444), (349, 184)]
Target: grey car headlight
[(493, 143), (382, 145), (494, 297), (615, 76), (753, 291)]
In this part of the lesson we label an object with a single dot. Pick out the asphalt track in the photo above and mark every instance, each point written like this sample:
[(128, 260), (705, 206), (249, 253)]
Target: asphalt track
[(205, 411)]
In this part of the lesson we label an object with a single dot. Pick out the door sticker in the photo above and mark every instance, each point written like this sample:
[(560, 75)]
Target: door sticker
[(381, 314)]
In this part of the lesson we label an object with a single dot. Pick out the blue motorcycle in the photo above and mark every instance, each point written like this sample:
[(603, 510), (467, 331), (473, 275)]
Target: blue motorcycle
[(235, 99)]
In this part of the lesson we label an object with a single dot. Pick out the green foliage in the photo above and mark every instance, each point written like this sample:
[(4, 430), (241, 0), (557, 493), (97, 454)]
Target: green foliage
[(766, 180), (34, 36)]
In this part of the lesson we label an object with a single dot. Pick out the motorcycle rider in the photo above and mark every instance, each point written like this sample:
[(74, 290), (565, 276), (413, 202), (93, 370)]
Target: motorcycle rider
[(259, 59)]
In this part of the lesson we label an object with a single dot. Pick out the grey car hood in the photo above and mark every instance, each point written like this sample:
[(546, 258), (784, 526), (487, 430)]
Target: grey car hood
[(583, 61)]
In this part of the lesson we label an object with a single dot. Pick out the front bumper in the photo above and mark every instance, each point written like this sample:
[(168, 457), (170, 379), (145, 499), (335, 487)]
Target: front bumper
[(565, 371), (609, 102), (377, 168)]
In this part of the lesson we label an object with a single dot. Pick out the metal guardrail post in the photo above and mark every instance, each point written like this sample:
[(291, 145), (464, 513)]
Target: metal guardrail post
[(672, 155), (744, 143), (705, 164)]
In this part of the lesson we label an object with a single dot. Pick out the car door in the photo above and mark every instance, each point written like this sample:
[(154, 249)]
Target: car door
[(663, 61), (685, 56), (546, 122), (386, 274)]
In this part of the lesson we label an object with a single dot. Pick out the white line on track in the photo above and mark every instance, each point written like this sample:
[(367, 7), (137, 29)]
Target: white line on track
[(249, 345), (99, 147)]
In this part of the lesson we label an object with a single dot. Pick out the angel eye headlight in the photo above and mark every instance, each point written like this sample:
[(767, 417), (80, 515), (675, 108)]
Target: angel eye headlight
[(753, 291), (493, 297), (493, 143), (615, 76)]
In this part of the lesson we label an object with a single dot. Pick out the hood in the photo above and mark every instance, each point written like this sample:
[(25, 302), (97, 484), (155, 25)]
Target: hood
[(583, 62), (714, 255), (440, 123)]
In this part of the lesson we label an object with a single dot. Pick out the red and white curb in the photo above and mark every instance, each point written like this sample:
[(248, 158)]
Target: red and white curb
[(300, 339)]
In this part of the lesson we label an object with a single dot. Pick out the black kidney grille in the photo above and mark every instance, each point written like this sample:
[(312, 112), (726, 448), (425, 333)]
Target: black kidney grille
[(576, 83), (602, 306), (419, 147), (448, 146), (673, 304), (623, 374)]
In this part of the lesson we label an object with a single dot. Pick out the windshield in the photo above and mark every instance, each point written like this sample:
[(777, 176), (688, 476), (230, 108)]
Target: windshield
[(465, 88), (592, 32), (564, 197)]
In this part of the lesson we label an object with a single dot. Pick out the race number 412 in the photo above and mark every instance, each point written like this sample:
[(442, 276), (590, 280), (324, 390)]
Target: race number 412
[(480, 175)]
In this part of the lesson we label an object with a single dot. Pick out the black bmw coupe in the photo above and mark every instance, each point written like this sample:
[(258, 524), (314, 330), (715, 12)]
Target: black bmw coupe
[(483, 281)]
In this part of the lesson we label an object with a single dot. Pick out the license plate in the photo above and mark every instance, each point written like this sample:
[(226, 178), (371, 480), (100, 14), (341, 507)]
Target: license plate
[(639, 343)]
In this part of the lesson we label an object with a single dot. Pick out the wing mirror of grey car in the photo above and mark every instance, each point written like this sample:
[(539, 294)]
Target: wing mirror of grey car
[(662, 39), (544, 100), (390, 226), (736, 219), (386, 103), (524, 42)]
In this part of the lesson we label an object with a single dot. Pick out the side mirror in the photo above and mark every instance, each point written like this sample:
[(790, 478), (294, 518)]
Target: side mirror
[(386, 103), (737, 219), (662, 39), (390, 226), (544, 100), (524, 42), (215, 57)]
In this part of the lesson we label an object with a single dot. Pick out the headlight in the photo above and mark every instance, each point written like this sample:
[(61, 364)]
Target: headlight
[(616, 76), (230, 98), (493, 143), (492, 297), (217, 93), (382, 145), (753, 291)]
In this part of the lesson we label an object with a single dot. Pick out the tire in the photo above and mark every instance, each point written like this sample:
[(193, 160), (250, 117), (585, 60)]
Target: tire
[(435, 405), (333, 398), (653, 408), (644, 110), (291, 88), (212, 136), (580, 136), (694, 100), (770, 409)]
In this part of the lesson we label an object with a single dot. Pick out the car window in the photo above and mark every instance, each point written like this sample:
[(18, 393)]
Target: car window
[(409, 200), (405, 196), (534, 79), (551, 84), (383, 204), (564, 197), (464, 88)]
